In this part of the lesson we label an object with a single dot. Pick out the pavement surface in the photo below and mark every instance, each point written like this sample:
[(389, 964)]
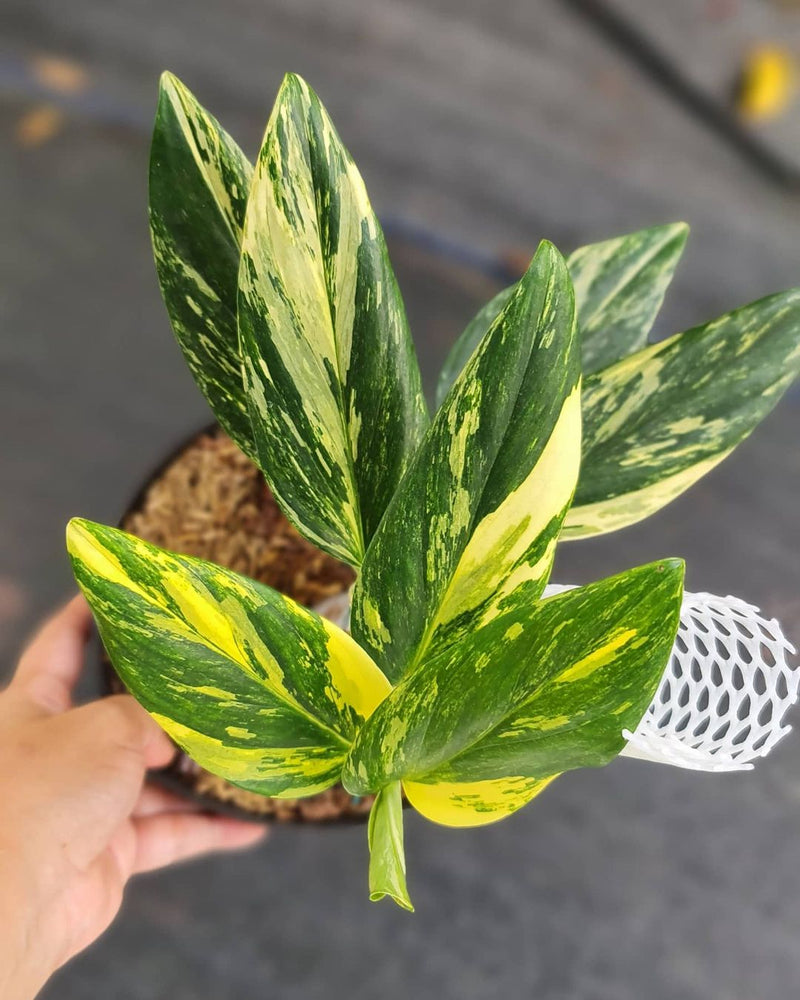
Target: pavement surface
[(489, 127)]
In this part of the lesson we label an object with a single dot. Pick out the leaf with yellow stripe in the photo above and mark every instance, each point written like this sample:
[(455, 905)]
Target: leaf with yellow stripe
[(619, 287), (474, 523), (333, 384), (472, 803), (657, 421), (199, 181), (480, 728), (254, 687)]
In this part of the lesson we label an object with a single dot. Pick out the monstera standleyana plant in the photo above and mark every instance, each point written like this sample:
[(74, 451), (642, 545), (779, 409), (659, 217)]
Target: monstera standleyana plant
[(463, 685)]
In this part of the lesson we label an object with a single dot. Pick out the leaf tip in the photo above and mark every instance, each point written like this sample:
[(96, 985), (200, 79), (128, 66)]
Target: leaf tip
[(77, 531), (672, 572), (674, 566), (402, 901), (292, 84), (168, 84), (678, 235), (547, 249), (548, 260)]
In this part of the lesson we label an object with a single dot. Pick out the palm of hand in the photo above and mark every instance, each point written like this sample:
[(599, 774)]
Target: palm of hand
[(78, 819)]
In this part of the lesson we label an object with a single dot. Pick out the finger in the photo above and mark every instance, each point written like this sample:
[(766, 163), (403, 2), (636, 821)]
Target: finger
[(171, 837), (50, 666), (154, 800)]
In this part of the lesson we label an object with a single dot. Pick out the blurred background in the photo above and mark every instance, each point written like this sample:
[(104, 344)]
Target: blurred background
[(480, 128)]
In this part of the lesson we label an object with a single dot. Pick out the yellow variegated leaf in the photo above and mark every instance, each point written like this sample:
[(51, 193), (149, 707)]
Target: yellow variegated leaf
[(333, 384), (543, 688), (474, 523), (256, 688), (657, 421), (472, 803), (199, 180), (619, 287)]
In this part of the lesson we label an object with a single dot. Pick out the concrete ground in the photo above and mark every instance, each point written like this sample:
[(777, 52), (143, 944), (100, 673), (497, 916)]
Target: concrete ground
[(492, 127)]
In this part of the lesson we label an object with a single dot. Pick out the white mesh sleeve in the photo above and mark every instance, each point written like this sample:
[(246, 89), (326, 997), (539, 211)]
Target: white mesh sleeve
[(725, 692)]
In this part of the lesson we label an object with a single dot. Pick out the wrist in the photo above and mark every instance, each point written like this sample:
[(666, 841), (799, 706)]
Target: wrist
[(24, 967)]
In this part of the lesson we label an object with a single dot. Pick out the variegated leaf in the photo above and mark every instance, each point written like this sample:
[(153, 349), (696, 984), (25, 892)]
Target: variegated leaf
[(659, 420), (544, 688), (472, 803), (619, 287), (199, 180), (254, 687), (387, 861), (333, 383), (475, 520)]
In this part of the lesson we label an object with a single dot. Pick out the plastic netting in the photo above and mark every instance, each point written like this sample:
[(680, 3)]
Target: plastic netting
[(723, 697)]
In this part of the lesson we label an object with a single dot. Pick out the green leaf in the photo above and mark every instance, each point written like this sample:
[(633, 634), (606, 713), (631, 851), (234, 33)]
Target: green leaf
[(659, 420), (387, 862), (475, 521), (333, 383), (199, 179), (542, 689), (619, 287), (473, 334), (254, 687)]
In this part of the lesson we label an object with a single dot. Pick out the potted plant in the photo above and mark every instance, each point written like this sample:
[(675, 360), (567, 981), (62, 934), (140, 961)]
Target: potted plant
[(465, 684)]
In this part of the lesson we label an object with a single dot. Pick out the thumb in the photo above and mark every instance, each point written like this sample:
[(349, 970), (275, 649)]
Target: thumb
[(120, 727), (51, 664)]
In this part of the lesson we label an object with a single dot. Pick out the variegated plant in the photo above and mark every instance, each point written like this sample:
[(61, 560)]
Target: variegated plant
[(462, 687)]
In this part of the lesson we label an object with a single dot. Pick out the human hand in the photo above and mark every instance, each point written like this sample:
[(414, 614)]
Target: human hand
[(76, 819)]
